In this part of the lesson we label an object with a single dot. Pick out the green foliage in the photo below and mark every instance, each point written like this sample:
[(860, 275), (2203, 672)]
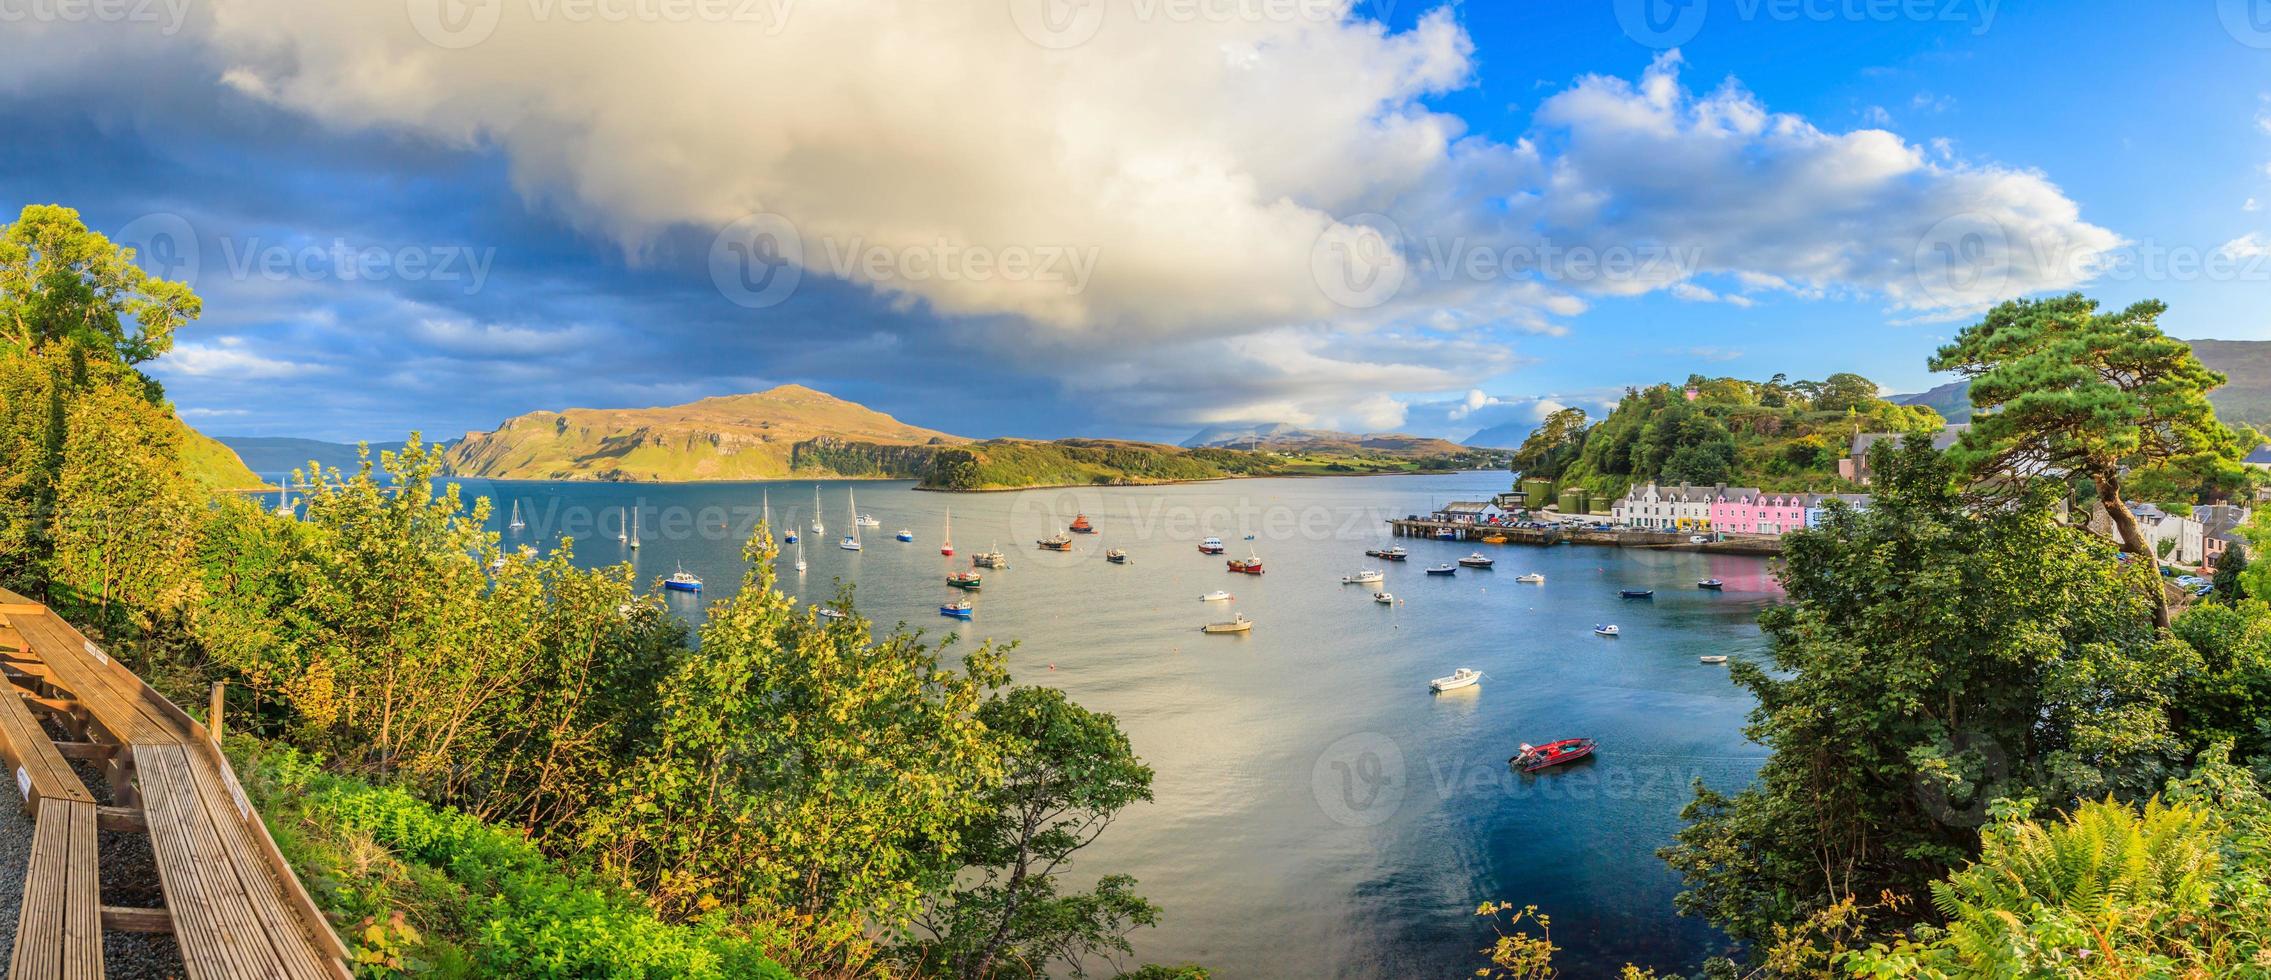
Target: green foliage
[(122, 532), (1932, 657), (64, 285), (435, 892), (1553, 446), (2231, 572), (2228, 698)]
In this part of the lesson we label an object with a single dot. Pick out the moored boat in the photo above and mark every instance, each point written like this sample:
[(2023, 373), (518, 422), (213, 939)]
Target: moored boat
[(1494, 539), (1608, 629), (1446, 534), (1055, 543), (1478, 560), (830, 612), (1396, 553), (964, 580), (1210, 546), (1237, 624), (1713, 658), (1116, 556), (1636, 593), (1080, 525), (959, 609), (1712, 584), (1249, 565), (1534, 578), (1462, 677), (683, 581), (1369, 576), (990, 559), (1384, 598), (1215, 596), (1532, 758), (905, 535), (946, 543), (1443, 570)]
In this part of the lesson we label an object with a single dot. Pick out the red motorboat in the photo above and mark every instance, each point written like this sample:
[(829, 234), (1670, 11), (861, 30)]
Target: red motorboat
[(1080, 525), (1246, 566), (1535, 757)]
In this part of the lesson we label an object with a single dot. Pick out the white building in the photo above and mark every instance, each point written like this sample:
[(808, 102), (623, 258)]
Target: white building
[(1655, 508)]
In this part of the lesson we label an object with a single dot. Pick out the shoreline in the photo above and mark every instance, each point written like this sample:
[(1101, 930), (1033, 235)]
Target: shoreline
[(461, 479)]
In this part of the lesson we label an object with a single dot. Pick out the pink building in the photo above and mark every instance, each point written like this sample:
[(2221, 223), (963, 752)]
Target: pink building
[(1745, 510)]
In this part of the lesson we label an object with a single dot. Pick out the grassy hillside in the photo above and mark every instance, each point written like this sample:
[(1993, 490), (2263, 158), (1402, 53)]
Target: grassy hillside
[(789, 430), (214, 465), (1008, 464)]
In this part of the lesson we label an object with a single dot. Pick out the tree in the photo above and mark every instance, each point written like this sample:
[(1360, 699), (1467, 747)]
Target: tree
[(2058, 387), (1845, 391), (125, 523), (1932, 657), (2231, 572), (1553, 445), (1066, 772)]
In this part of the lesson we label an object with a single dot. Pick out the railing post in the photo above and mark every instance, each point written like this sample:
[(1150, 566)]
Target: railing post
[(213, 712)]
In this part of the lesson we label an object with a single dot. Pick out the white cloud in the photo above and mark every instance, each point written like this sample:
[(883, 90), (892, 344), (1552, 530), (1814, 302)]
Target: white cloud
[(1474, 401), (1877, 116), (2251, 205), (227, 359), (2248, 246)]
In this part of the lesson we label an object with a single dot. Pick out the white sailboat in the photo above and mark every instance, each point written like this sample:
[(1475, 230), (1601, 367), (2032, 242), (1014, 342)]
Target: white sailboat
[(765, 514), (283, 499), (517, 523), (946, 546), (634, 518), (851, 540), (817, 527), (623, 533), (800, 557)]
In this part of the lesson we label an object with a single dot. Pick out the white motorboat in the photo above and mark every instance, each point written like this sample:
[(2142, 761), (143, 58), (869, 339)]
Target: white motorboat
[(1607, 630), (1215, 596), (1369, 576), (1534, 578), (830, 612), (1478, 560), (1713, 658), (1384, 598), (1463, 677)]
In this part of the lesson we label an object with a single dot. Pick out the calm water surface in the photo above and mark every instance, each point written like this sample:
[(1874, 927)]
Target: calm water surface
[(1319, 813)]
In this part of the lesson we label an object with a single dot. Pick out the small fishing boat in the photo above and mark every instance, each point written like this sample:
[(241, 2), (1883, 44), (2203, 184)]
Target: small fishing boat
[(1384, 598), (1637, 593), (1534, 578), (964, 580), (905, 535), (1237, 624), (1712, 584), (1116, 556), (946, 544), (1215, 596), (790, 538), (1249, 565), (683, 581), (867, 520), (1080, 525), (990, 559), (1478, 560), (1713, 658), (1057, 543), (831, 612), (1369, 576), (1210, 546), (1608, 629), (1532, 758), (1446, 534), (516, 525), (959, 609), (1444, 570), (1396, 553), (1462, 677)]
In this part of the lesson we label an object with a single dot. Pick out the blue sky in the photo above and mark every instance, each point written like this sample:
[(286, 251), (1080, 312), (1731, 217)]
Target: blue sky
[(1134, 217)]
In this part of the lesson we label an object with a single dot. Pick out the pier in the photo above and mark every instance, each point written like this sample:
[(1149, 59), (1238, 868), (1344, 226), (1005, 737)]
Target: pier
[(1760, 545)]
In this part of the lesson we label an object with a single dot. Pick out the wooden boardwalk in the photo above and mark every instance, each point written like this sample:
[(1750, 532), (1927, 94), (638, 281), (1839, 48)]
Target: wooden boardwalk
[(232, 904)]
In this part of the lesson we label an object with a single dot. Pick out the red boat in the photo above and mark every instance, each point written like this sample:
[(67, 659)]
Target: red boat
[(1246, 566), (1535, 757), (1080, 525)]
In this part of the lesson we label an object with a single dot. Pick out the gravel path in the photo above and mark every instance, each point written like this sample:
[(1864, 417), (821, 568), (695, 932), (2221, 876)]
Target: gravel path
[(15, 855)]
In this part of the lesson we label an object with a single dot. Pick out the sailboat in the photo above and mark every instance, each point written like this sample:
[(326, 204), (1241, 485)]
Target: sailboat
[(799, 557), (633, 517), (817, 527), (946, 547), (851, 540), (517, 523), (283, 499), (765, 511), (623, 533)]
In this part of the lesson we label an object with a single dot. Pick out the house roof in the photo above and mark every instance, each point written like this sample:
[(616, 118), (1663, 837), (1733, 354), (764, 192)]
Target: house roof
[(2261, 456)]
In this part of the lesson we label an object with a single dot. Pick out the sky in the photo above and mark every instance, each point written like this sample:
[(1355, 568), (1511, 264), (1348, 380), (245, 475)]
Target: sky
[(1129, 218)]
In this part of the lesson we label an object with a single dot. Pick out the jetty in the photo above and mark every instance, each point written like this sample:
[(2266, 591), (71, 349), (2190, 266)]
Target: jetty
[(1565, 532), (232, 904)]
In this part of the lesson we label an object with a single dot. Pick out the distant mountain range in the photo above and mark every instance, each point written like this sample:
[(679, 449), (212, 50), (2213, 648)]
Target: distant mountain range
[(275, 457), (2245, 396), (1285, 437), (1509, 435)]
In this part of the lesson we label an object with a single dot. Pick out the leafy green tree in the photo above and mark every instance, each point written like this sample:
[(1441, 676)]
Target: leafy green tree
[(1932, 656), (2228, 698), (1067, 772), (124, 530), (1845, 391), (1553, 445), (2231, 572), (2060, 388)]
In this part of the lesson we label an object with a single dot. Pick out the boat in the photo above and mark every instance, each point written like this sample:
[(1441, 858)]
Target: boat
[(831, 612), (1446, 534), (1534, 578), (284, 500), (634, 530), (1215, 596), (1713, 658), (851, 541), (866, 520), (623, 532), (1249, 565), (1249, 537), (1712, 584), (1396, 553), (799, 556), (765, 510), (1116, 556), (1210, 546), (1444, 570), (959, 609), (964, 580), (683, 581), (1080, 525), (1494, 539), (1462, 677), (990, 559), (1237, 624), (1609, 629), (1059, 542), (1535, 757), (1636, 593), (1384, 598), (905, 535), (817, 527), (1478, 560), (1369, 576), (516, 525), (946, 543)]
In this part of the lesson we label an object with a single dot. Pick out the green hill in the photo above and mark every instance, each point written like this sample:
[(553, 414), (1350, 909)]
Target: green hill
[(214, 465)]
